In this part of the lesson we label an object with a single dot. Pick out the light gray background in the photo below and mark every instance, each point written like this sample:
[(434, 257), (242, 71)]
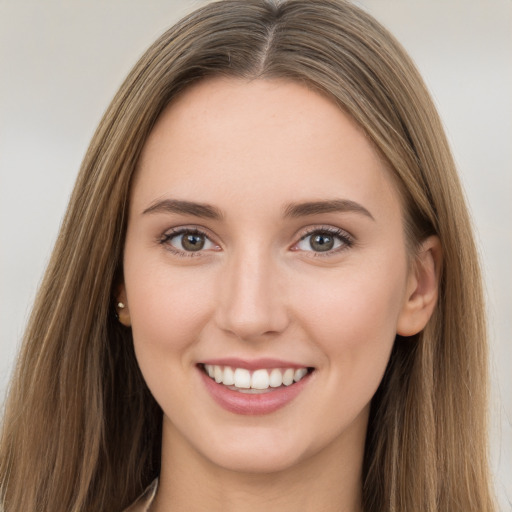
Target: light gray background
[(61, 63)]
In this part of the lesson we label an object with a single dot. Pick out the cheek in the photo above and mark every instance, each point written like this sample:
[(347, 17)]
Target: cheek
[(168, 307), (354, 326), (352, 315)]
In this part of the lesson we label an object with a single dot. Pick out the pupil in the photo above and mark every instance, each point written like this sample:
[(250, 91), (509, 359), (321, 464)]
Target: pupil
[(322, 242), (193, 242)]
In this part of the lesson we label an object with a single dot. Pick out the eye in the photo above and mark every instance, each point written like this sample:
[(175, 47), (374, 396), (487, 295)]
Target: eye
[(324, 241), (190, 241)]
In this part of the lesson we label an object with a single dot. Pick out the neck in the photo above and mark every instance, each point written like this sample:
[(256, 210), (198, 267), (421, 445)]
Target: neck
[(328, 481)]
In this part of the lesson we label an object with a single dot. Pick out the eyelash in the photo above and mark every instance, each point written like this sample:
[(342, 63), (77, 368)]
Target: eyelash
[(346, 240), (182, 231)]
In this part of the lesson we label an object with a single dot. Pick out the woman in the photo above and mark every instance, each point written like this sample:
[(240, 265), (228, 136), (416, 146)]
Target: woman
[(265, 291)]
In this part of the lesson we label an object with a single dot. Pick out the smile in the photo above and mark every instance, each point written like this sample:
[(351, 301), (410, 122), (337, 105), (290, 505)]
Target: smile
[(260, 380), (259, 389)]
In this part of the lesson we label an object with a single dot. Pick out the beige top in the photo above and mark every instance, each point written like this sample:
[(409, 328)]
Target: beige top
[(144, 501)]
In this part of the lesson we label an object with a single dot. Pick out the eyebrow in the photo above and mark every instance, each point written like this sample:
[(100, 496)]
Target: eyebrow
[(186, 207), (318, 207), (292, 210)]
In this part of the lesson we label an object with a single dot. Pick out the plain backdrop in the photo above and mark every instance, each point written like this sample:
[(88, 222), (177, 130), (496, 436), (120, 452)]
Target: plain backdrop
[(62, 61)]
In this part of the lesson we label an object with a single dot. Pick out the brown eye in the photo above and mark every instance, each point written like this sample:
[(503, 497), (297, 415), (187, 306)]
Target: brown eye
[(324, 241), (188, 241), (321, 242), (192, 242)]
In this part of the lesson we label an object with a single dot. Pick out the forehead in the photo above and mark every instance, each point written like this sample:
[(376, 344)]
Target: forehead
[(259, 141)]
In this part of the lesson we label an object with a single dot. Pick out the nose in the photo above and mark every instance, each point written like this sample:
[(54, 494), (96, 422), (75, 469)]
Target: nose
[(252, 298)]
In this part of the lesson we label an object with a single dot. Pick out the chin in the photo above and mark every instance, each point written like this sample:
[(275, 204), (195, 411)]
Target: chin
[(254, 460), (260, 450)]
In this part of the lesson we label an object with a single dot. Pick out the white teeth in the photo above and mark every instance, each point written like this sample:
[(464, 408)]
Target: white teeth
[(276, 378), (288, 376), (242, 378), (259, 380), (299, 374), (229, 377)]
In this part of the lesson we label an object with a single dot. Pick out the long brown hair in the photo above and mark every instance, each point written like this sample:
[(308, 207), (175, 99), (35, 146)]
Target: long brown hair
[(81, 431)]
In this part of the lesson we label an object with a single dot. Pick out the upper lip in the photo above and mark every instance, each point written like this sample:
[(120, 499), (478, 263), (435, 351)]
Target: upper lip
[(253, 364)]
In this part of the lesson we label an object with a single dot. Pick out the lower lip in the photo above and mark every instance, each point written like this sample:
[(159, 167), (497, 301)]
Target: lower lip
[(253, 404)]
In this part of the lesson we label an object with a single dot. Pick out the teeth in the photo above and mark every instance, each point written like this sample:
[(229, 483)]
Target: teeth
[(229, 377), (276, 378), (299, 374), (288, 376), (260, 379), (242, 378)]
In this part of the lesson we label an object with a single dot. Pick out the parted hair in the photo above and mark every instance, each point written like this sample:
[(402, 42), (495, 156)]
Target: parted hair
[(81, 432)]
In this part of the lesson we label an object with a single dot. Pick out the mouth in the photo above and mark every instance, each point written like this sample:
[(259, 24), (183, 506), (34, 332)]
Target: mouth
[(254, 388), (258, 381)]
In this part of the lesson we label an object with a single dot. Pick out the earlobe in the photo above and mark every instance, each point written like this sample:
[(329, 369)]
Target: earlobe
[(422, 288), (122, 310)]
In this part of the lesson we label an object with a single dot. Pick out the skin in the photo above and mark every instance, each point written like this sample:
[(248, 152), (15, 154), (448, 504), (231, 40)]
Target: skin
[(259, 289)]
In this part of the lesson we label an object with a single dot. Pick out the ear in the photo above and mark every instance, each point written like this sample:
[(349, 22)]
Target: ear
[(122, 309), (422, 288)]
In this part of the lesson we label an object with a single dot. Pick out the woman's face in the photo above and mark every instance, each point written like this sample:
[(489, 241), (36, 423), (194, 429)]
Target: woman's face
[(265, 243)]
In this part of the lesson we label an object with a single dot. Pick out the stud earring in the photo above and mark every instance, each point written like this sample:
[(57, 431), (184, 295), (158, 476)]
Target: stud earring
[(122, 314)]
